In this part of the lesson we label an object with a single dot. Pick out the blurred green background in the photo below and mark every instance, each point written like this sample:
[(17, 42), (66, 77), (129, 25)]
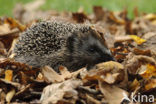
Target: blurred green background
[(147, 6)]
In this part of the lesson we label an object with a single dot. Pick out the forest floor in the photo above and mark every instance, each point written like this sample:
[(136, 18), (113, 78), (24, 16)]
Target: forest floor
[(131, 79)]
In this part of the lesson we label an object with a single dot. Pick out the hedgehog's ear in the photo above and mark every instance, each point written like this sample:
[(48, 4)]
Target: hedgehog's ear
[(71, 41)]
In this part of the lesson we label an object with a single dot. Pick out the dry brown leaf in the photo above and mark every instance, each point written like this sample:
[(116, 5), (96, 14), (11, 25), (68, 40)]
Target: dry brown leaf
[(82, 72), (99, 12), (150, 84), (122, 38), (3, 53), (116, 18), (23, 78), (8, 38), (154, 22), (64, 72), (149, 35), (111, 78), (128, 27), (9, 83), (133, 62), (141, 52), (136, 12), (40, 77), (15, 24), (58, 91), (109, 72), (17, 67), (10, 95), (109, 39), (2, 97), (1, 45), (50, 75), (79, 17), (134, 85), (149, 72), (112, 94), (91, 100), (150, 42), (4, 28), (22, 90)]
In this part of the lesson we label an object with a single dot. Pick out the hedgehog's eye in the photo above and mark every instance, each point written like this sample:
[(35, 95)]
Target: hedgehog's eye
[(92, 50)]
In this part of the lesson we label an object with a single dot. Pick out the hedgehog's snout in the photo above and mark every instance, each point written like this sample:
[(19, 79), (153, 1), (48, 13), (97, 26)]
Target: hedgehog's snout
[(109, 58)]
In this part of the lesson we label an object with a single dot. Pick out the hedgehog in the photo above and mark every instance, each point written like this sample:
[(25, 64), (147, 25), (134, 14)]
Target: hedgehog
[(57, 43)]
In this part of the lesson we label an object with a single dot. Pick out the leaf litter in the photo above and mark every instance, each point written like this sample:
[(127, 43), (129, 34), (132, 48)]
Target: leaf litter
[(133, 73)]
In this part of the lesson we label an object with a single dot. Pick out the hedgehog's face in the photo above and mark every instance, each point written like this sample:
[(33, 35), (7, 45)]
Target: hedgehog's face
[(88, 48)]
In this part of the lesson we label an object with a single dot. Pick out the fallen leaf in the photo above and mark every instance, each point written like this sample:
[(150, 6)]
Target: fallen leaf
[(55, 92), (137, 39), (136, 12), (2, 97), (50, 75), (91, 100), (64, 72), (8, 75), (134, 85), (9, 83), (109, 39), (150, 84), (149, 72), (79, 17), (82, 72), (150, 43), (109, 72), (23, 78), (116, 18), (150, 16), (14, 23), (141, 52), (22, 90), (4, 28), (154, 22), (40, 76), (10, 95), (128, 27), (112, 94), (8, 38), (122, 38), (99, 13), (134, 62)]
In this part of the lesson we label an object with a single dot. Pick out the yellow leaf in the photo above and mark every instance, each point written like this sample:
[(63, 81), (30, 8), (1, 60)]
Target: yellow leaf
[(154, 22), (10, 95), (14, 23), (150, 16), (150, 84), (149, 72), (134, 85), (8, 75), (137, 39)]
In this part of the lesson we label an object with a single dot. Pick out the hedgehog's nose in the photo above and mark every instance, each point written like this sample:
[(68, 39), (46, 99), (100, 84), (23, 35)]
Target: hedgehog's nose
[(110, 58), (113, 59)]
